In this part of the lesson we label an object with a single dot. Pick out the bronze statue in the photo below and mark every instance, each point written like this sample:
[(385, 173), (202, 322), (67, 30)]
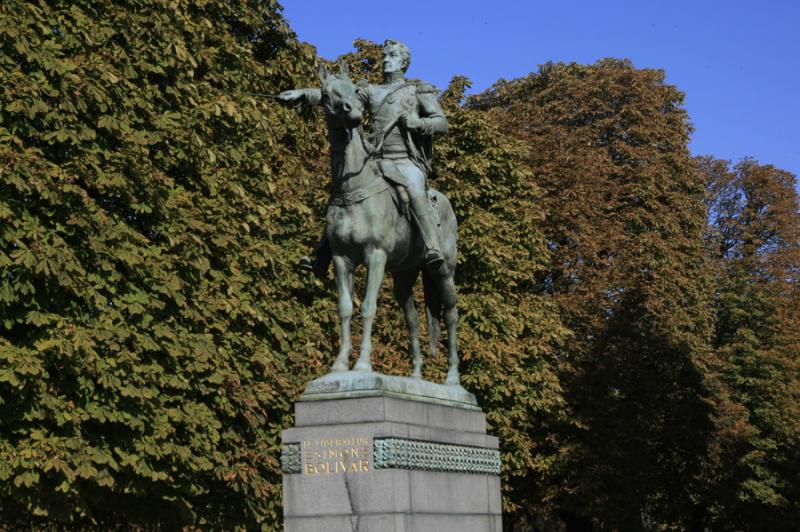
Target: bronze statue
[(405, 114), (381, 213)]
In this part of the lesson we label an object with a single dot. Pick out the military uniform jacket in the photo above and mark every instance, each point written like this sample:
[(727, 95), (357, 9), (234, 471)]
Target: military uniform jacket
[(386, 104)]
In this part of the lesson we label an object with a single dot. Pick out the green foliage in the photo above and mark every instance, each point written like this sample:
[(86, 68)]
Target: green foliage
[(149, 351), (364, 61)]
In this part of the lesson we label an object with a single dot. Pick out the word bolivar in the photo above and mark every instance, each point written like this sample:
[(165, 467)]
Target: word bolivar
[(341, 455)]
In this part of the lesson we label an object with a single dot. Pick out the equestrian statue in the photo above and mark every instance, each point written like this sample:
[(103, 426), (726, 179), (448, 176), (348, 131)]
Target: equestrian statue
[(381, 212)]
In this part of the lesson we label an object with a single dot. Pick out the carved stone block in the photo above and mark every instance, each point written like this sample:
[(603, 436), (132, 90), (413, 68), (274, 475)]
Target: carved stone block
[(384, 463)]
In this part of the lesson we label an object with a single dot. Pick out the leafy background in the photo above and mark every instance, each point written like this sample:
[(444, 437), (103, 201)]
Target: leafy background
[(629, 320)]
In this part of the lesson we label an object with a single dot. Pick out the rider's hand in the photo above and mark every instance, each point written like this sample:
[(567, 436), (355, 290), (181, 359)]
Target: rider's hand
[(292, 96), (411, 122)]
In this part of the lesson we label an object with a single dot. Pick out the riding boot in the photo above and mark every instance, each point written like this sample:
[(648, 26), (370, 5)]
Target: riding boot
[(320, 259), (427, 227)]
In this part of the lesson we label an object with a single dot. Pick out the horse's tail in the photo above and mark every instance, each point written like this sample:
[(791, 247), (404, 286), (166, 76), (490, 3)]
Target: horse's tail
[(433, 310)]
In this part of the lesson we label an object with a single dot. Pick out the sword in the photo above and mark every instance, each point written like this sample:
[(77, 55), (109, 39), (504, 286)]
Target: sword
[(260, 94)]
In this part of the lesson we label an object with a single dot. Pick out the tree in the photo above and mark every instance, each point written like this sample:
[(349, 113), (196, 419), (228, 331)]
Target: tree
[(624, 221), (148, 349), (510, 333), (754, 238)]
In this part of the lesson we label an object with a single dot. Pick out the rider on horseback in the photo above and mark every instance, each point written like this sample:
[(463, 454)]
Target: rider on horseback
[(404, 116)]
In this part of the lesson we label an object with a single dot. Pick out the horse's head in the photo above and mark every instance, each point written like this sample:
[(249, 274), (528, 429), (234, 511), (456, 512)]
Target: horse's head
[(339, 98)]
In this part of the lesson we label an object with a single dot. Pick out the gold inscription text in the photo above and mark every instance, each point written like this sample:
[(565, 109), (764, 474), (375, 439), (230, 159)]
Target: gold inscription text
[(334, 456)]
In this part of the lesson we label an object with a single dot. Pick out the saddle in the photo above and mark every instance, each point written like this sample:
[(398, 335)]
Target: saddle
[(396, 183), (399, 192)]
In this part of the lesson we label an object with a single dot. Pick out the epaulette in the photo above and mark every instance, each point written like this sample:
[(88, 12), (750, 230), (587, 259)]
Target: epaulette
[(424, 88)]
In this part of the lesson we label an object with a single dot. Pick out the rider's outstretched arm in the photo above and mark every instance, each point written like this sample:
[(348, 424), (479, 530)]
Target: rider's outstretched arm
[(309, 96)]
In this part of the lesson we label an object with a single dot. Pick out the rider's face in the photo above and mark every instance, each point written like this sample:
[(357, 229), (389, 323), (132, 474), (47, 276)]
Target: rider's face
[(392, 60)]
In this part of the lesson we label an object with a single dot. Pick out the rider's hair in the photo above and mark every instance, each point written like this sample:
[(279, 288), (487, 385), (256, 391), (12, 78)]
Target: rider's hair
[(405, 53)]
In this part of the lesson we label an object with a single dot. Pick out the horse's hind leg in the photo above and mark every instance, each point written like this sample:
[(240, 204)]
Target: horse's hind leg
[(404, 294), (448, 294), (344, 273), (433, 311), (376, 263)]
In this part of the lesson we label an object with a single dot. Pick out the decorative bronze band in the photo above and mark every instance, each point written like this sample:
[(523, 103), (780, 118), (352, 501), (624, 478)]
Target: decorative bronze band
[(399, 453), (290, 458)]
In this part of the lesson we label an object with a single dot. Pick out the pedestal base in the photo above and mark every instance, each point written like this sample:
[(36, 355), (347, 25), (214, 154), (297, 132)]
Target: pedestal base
[(351, 384), (386, 463)]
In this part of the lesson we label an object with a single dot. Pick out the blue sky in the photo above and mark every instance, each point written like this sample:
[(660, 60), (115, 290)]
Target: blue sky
[(738, 62)]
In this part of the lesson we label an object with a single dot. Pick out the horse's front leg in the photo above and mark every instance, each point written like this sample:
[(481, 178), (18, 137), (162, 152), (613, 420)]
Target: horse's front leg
[(343, 271), (376, 263)]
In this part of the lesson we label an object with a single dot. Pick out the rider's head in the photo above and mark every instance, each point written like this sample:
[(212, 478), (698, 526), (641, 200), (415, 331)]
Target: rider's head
[(396, 56)]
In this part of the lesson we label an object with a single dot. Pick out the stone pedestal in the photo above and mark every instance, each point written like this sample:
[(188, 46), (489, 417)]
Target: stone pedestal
[(374, 453)]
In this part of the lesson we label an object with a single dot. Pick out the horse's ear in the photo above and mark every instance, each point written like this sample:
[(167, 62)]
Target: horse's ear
[(322, 72), (344, 69)]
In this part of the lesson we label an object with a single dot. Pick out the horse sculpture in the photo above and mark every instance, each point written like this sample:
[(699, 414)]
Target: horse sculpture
[(365, 226)]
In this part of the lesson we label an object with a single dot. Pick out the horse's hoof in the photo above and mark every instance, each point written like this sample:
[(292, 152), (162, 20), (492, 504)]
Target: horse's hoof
[(362, 366), (338, 367), (453, 379), (416, 374), (341, 363)]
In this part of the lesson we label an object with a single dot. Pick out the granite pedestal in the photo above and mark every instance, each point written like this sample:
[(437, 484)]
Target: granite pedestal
[(375, 453)]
